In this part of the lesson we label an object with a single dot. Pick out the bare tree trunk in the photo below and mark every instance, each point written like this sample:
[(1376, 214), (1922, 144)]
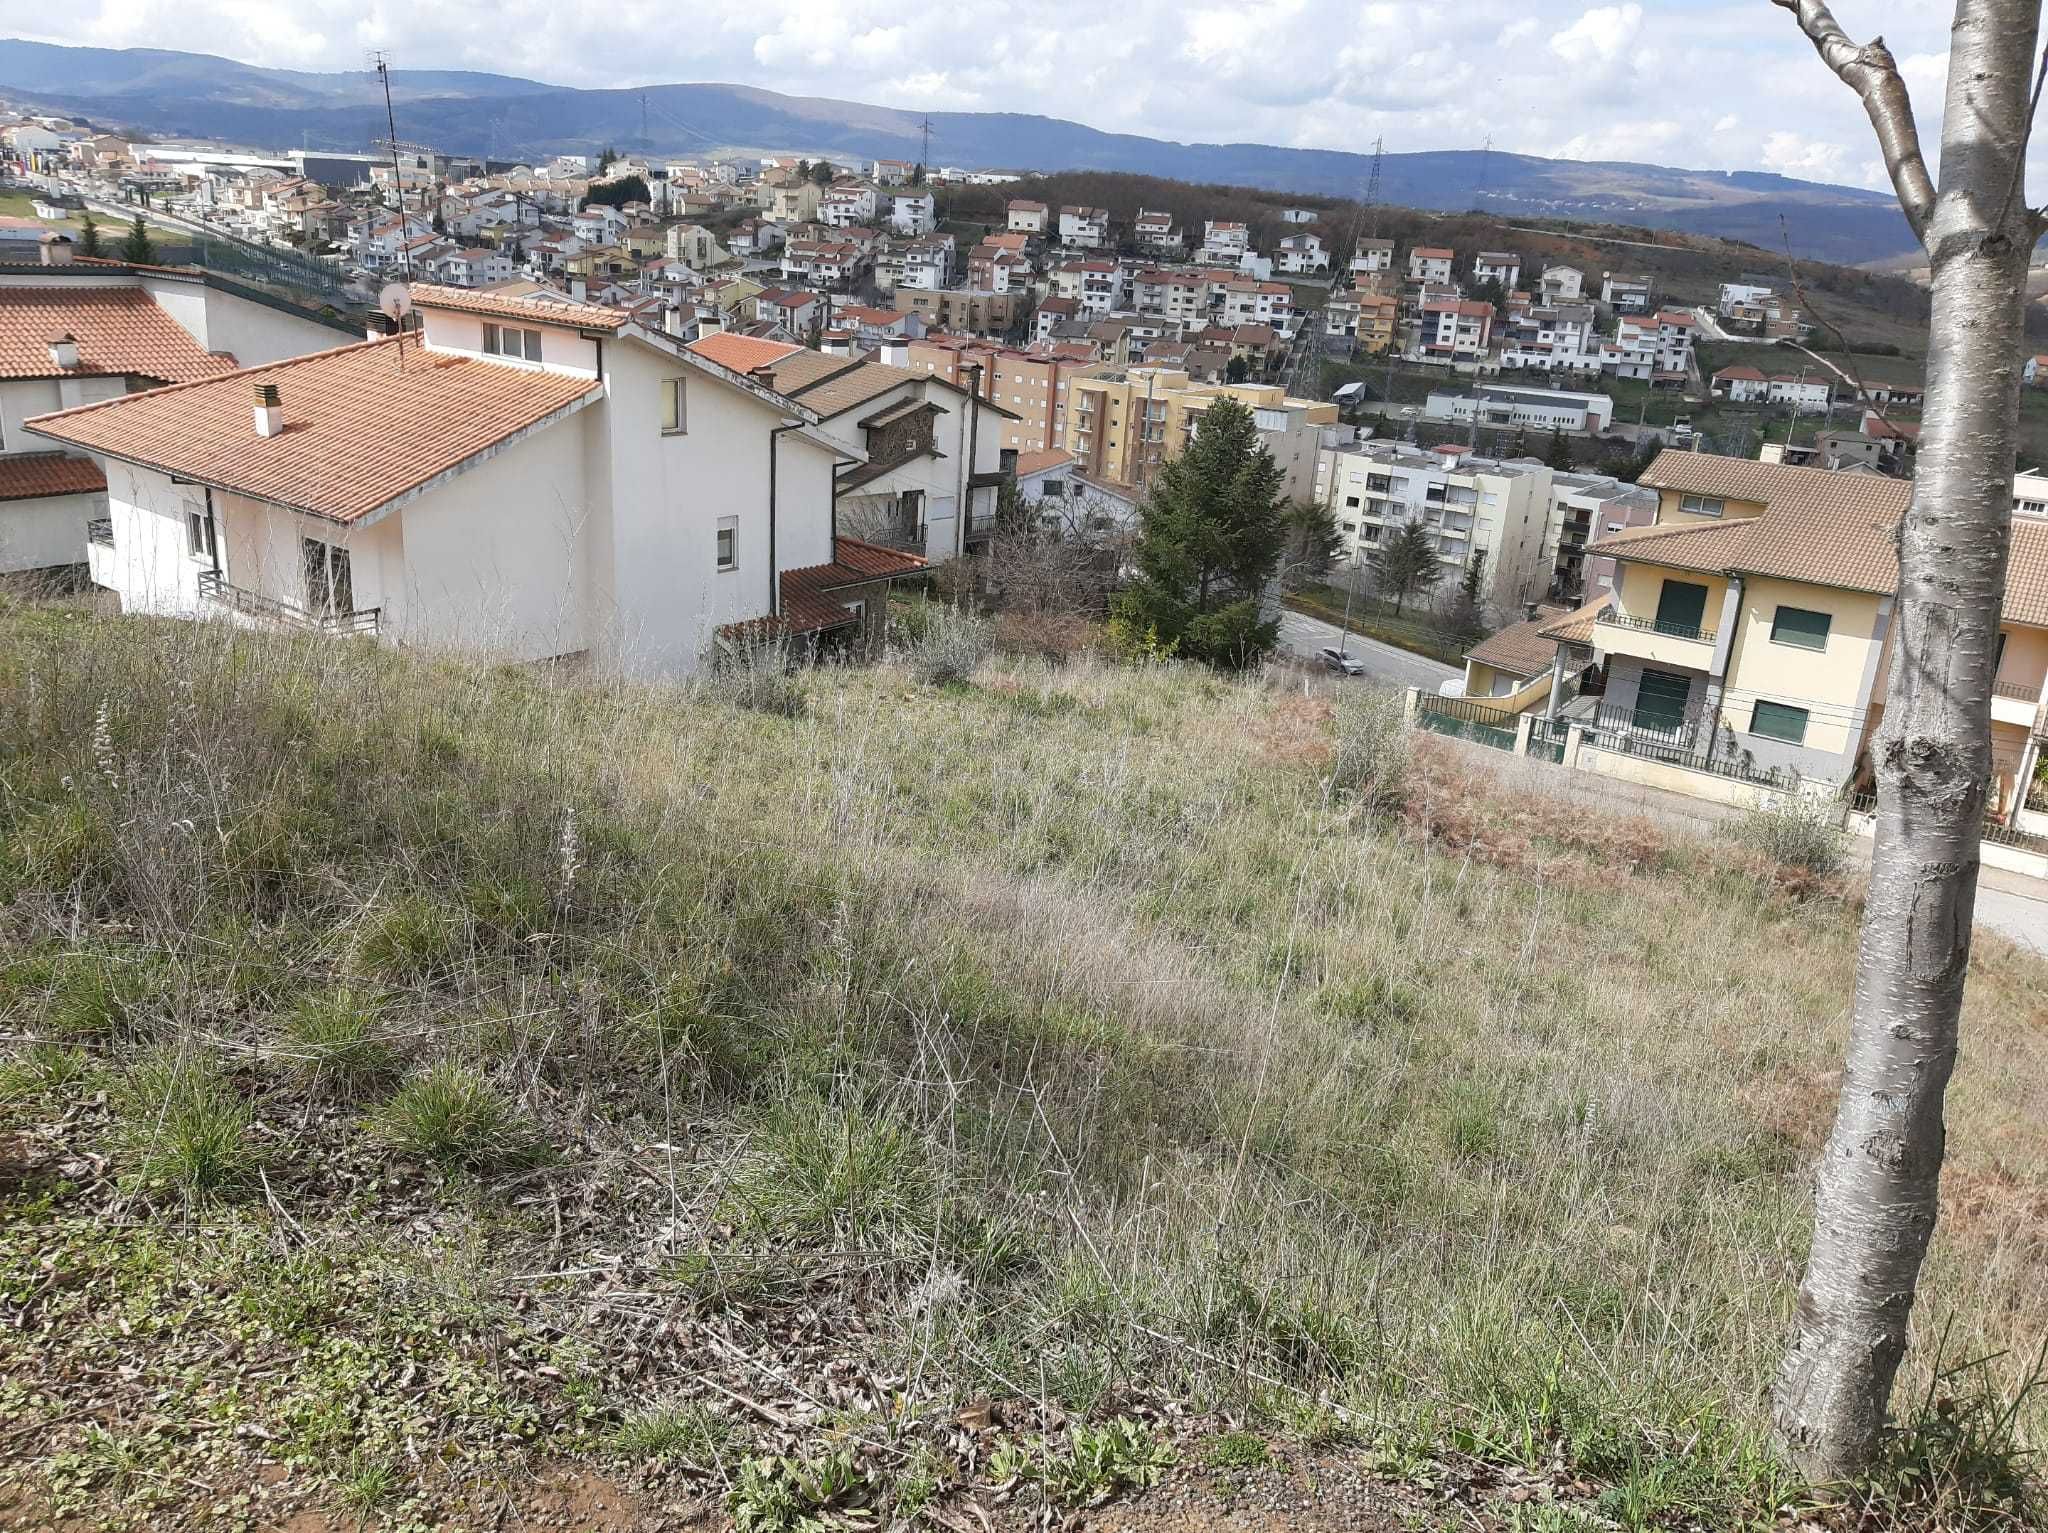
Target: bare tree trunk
[(1877, 1185)]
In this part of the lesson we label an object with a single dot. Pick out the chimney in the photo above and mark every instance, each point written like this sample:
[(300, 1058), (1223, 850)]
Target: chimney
[(63, 352), (269, 410), (55, 249), (1529, 612), (376, 327)]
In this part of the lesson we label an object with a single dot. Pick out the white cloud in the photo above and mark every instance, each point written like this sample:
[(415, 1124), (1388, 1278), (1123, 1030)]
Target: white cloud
[(1599, 37)]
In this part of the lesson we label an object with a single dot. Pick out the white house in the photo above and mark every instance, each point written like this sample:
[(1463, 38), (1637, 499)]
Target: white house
[(1625, 295), (1430, 263), (925, 456), (1371, 257), (1561, 284), (522, 478), (846, 204), (600, 225), (474, 268), (1026, 217), (914, 212), (1096, 286), (1303, 253), (1156, 232), (1223, 242), (76, 334), (1502, 266), (1085, 227)]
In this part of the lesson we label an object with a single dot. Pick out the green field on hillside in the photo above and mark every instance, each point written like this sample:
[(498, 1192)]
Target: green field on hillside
[(424, 1078)]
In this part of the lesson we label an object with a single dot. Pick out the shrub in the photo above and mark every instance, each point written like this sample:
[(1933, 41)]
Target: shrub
[(1371, 756), (1051, 636), (757, 674), (952, 645), (451, 1114), (181, 1121), (1796, 831)]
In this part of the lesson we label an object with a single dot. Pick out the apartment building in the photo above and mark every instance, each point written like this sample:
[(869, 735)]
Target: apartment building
[(1625, 295), (1561, 338), (914, 213), (1123, 424), (74, 334), (1561, 284), (1246, 302), (1084, 228), (1156, 232), (1654, 349), (832, 265), (487, 484), (1584, 507), (1096, 287), (970, 310), (845, 204), (1032, 386), (1371, 258), (1479, 511), (1224, 243)]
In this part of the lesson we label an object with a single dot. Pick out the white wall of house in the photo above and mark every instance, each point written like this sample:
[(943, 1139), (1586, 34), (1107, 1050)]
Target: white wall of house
[(22, 397), (45, 533), (255, 334)]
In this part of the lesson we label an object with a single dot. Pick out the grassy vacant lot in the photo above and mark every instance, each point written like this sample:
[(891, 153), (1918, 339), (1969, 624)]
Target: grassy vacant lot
[(425, 1077)]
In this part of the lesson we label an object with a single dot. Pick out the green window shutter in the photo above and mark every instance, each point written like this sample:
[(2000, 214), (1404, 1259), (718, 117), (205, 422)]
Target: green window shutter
[(1795, 625), (1681, 607), (1778, 721), (1661, 698)]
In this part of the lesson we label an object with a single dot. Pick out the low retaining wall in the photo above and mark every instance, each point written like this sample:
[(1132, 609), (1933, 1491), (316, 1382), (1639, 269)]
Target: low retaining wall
[(1652, 773), (1993, 854)]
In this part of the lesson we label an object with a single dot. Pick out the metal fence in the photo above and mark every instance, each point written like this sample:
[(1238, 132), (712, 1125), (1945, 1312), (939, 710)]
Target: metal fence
[(1463, 719), (2003, 835), (1547, 738)]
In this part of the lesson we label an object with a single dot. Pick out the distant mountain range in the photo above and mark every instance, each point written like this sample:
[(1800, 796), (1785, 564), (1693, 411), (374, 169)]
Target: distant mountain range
[(192, 95)]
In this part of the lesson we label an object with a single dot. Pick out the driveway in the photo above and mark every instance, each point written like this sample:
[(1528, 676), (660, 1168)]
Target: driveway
[(1305, 635)]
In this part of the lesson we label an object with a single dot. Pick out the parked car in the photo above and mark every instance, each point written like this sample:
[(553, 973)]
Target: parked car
[(1338, 660)]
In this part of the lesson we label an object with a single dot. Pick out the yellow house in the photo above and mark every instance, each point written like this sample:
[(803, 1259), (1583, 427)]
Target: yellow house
[(1748, 630)]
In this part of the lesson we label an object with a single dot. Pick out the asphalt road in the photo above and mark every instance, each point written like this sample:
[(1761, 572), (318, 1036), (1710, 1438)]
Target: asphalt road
[(1306, 635)]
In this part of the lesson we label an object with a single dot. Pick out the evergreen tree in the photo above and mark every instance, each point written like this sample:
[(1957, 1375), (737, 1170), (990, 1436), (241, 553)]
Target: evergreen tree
[(1406, 565), (1470, 618), (1559, 453), (1312, 546), (1210, 538), (822, 172), (1237, 371), (89, 237), (137, 246)]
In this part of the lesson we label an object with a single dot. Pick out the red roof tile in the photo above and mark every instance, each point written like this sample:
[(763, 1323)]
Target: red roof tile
[(360, 429), (32, 475), (119, 330), (535, 310), (741, 353)]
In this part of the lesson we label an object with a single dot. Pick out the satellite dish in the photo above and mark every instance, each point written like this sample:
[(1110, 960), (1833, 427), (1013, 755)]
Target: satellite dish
[(395, 302)]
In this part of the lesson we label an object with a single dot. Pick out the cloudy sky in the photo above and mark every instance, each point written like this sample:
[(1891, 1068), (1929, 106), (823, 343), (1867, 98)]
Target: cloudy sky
[(1714, 84)]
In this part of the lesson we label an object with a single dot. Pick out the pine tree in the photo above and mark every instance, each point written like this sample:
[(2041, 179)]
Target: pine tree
[(1559, 453), (137, 246), (1210, 538), (89, 237), (1406, 565)]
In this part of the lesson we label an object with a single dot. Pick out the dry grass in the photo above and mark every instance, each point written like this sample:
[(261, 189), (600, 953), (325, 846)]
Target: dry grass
[(1058, 1031)]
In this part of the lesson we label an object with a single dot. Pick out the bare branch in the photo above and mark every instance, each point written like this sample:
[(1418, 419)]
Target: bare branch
[(1870, 71)]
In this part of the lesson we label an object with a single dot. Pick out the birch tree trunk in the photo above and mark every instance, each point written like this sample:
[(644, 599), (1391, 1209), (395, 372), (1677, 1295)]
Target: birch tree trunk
[(1877, 1185)]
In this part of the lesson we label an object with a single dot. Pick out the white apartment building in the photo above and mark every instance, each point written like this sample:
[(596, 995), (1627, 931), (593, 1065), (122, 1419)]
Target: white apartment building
[(1369, 258), (1561, 284), (1157, 232), (1430, 263), (76, 334), (1477, 510), (1096, 286), (522, 478), (1302, 253), (1224, 243), (1740, 295), (1625, 295), (846, 205), (1554, 338), (1456, 330), (1087, 228), (914, 213), (1246, 302)]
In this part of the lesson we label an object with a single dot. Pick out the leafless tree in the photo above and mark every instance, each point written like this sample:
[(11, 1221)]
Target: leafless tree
[(1876, 1188)]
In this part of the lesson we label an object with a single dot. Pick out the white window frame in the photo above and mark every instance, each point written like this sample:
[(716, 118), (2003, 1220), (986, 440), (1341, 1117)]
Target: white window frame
[(675, 406), (201, 540)]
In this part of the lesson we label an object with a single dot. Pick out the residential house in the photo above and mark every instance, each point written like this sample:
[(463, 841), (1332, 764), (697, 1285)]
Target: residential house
[(794, 202), (926, 263), (753, 238), (487, 484), (1097, 286), (833, 265), (1052, 312), (1742, 385), (696, 246), (1625, 295), (893, 172), (1157, 234), (913, 213), (1031, 385), (1086, 228), (1560, 338), (1123, 425), (796, 310), (1430, 263), (1502, 266), (600, 225), (79, 333), (474, 268), (994, 268), (969, 310), (1515, 667), (1561, 284), (1246, 302), (1371, 258), (1584, 507), (1303, 253), (1224, 243), (845, 204), (1456, 330), (1026, 216), (926, 460)]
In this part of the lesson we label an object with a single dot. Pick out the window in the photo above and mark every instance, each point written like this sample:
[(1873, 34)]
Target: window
[(1702, 505), (1351, 501), (1661, 699), (330, 587), (675, 418), (1797, 626), (509, 341), (1681, 606), (728, 542), (1778, 721), (199, 536)]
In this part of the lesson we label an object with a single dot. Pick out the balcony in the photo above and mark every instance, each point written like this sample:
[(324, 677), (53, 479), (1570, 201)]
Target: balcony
[(271, 609), (1678, 644), (2015, 703)]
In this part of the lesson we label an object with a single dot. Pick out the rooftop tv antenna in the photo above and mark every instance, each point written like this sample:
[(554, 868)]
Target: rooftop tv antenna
[(381, 62), (394, 302)]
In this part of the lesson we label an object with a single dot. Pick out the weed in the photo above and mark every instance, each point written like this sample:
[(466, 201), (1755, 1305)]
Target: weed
[(801, 1495), (1237, 1450), (368, 1483), (453, 1115), (949, 647), (1099, 1462), (1370, 765), (182, 1123), (1795, 830), (690, 1434), (822, 1171), (756, 674), (334, 1043)]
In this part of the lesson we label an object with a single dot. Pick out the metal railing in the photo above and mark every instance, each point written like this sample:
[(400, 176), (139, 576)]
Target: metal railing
[(2003, 835), (100, 530), (360, 620), (1690, 631), (1617, 730), (1466, 708)]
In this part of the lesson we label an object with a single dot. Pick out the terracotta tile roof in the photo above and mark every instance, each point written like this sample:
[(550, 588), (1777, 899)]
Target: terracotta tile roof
[(811, 602), (1520, 650), (1577, 627), (741, 353), (359, 429), (840, 391), (1700, 473), (553, 311), (118, 329), (32, 475), (1705, 546), (1039, 461), (801, 368)]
